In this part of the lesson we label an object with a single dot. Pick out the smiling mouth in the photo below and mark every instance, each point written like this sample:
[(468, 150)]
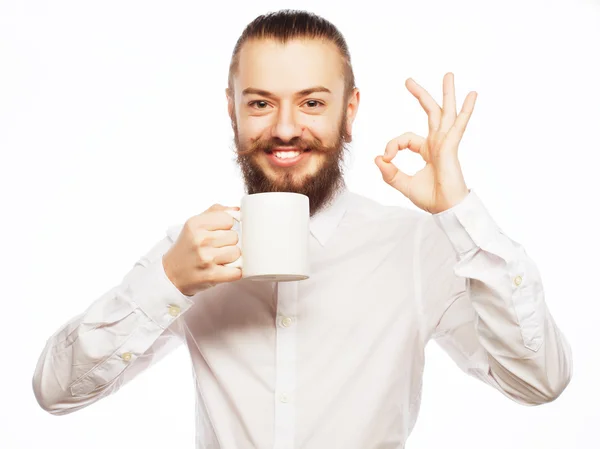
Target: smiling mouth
[(286, 157), (283, 152)]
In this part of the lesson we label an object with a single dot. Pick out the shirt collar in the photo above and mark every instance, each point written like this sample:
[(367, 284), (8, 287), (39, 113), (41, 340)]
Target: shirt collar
[(324, 223)]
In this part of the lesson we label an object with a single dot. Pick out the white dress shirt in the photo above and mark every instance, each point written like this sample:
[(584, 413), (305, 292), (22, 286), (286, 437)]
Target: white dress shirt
[(335, 361)]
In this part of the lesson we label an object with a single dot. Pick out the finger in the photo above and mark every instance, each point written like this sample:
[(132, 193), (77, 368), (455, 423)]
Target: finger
[(427, 102), (407, 140), (449, 103), (226, 254), (221, 238), (456, 132), (213, 220), (219, 274), (393, 176)]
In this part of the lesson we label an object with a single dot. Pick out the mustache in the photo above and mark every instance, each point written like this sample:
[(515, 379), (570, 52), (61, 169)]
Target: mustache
[(297, 143)]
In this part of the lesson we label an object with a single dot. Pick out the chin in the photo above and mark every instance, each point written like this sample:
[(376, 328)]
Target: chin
[(288, 180), (295, 177)]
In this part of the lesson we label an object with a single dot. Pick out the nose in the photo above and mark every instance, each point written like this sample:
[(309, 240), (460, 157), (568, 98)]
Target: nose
[(286, 126)]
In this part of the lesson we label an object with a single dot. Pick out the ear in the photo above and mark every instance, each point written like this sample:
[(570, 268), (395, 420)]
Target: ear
[(230, 103), (351, 111)]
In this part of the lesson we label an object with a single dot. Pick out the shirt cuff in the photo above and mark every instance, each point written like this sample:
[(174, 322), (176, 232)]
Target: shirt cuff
[(468, 225), (155, 295)]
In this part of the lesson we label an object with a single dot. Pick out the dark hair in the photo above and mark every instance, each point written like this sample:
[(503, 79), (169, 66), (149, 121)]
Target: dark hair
[(288, 24)]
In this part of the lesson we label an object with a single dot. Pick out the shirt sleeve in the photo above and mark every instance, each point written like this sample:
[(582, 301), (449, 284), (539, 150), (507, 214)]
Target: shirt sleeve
[(485, 298), (122, 333)]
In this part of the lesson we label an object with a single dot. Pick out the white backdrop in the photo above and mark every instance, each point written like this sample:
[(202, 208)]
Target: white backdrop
[(113, 126)]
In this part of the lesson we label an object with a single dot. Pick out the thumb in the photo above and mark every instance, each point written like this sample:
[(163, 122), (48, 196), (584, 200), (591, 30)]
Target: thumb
[(393, 176)]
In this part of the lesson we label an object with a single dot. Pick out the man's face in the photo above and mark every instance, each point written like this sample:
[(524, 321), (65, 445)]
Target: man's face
[(290, 118)]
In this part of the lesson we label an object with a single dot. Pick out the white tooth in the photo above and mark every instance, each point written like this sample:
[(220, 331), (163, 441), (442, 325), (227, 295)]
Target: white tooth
[(286, 154)]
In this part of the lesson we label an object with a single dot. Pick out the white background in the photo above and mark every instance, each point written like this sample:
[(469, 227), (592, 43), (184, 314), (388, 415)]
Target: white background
[(113, 126)]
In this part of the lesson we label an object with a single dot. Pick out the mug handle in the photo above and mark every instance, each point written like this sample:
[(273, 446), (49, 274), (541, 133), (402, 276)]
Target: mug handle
[(237, 216)]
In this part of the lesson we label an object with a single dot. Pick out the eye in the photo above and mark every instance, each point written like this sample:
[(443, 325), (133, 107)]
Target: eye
[(259, 104), (313, 104)]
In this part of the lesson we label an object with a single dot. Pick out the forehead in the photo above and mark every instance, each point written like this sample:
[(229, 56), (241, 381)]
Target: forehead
[(288, 68)]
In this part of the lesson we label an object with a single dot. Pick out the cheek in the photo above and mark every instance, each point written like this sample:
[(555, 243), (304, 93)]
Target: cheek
[(324, 130), (251, 128), (247, 134)]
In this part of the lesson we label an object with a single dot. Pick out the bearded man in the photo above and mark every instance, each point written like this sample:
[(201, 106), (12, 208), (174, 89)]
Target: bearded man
[(336, 360)]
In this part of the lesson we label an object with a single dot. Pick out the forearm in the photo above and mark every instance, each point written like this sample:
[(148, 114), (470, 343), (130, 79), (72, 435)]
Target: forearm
[(117, 337), (527, 356)]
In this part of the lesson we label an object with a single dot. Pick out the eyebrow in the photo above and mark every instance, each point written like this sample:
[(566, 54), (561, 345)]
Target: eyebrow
[(302, 93)]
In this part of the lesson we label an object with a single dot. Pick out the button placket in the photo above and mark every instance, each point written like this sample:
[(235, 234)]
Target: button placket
[(286, 321), (285, 365)]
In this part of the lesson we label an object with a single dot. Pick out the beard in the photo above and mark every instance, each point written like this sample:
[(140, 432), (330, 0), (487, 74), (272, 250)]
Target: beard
[(320, 187)]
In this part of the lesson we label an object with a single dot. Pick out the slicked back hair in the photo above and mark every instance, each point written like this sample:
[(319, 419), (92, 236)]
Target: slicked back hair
[(286, 25)]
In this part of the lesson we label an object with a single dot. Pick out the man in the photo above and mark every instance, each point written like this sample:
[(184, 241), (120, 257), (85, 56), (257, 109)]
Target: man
[(334, 361)]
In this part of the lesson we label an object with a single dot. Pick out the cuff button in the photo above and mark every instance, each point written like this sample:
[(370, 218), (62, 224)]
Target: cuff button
[(518, 280)]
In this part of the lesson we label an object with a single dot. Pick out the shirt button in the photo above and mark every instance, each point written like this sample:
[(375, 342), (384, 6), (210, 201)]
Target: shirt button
[(174, 310), (518, 280), (286, 321), (284, 398), (126, 356)]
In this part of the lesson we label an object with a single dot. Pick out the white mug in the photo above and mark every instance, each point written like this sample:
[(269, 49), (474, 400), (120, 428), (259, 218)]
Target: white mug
[(274, 236)]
